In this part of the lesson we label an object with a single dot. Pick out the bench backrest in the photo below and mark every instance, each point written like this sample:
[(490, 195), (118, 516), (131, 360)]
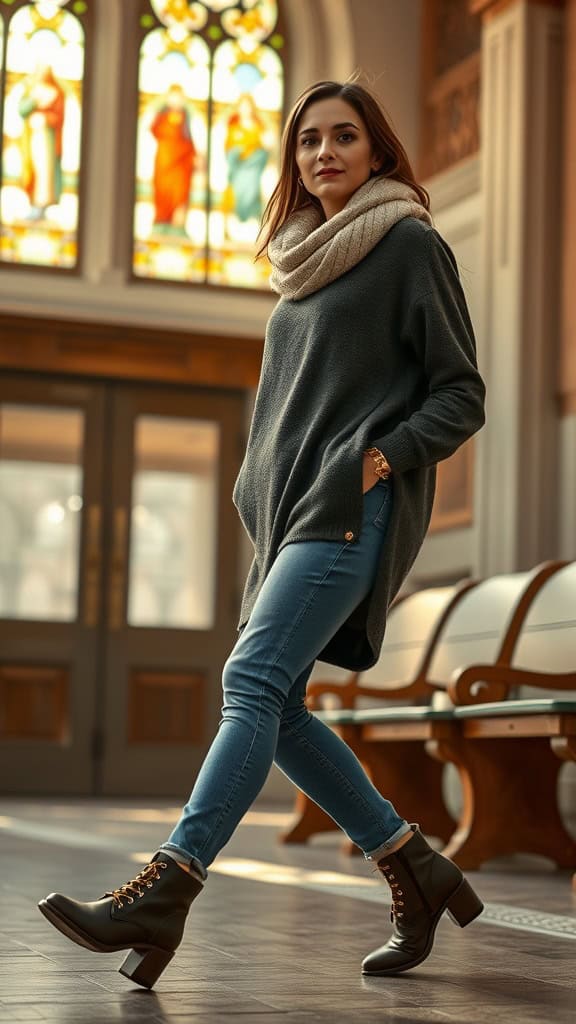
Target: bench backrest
[(547, 641), (409, 629), (480, 627)]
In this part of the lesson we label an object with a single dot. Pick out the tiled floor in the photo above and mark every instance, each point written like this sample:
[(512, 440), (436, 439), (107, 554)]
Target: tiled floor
[(277, 935)]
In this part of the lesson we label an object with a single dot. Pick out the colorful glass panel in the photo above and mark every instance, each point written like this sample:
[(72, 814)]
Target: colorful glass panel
[(218, 5), (171, 179), (252, 23), (247, 100), (1, 63), (180, 15), (211, 98), (42, 127)]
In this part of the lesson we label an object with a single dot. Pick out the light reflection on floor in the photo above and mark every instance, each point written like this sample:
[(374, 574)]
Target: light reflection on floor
[(147, 816)]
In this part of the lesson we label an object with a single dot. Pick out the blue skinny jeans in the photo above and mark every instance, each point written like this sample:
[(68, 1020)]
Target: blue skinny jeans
[(311, 589)]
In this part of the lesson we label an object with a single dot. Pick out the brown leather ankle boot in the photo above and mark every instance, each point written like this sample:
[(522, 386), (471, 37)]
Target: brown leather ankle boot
[(424, 884), (146, 915)]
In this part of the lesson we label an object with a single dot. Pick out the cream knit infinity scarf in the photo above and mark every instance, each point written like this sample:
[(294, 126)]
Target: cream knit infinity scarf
[(308, 252)]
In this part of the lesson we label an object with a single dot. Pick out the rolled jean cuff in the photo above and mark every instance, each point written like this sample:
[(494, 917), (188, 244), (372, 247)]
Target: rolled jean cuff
[(384, 848), (185, 858)]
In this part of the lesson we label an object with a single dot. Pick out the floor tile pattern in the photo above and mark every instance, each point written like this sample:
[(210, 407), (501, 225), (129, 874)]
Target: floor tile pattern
[(277, 935)]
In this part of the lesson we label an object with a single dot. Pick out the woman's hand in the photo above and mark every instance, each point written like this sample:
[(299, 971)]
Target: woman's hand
[(369, 474)]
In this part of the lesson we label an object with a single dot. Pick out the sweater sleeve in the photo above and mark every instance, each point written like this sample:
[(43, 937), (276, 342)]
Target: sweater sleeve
[(438, 327)]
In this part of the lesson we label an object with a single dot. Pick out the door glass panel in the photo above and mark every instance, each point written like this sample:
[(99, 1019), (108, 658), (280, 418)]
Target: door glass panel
[(40, 504), (173, 523)]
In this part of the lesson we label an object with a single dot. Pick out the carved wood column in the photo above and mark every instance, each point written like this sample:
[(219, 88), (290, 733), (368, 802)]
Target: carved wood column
[(567, 381), (568, 362), (521, 132)]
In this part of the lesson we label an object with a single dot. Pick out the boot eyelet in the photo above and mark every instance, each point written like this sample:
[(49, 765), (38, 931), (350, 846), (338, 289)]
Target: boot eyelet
[(130, 899), (148, 885), (140, 895)]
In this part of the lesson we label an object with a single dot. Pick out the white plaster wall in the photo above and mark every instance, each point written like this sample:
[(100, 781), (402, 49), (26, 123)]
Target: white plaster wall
[(387, 49), (567, 547), (456, 208)]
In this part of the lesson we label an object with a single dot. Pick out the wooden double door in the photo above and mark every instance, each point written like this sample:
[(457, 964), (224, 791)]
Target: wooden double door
[(119, 587)]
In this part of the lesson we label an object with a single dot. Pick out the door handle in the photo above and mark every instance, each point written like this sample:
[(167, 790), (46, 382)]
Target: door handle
[(92, 566), (118, 568)]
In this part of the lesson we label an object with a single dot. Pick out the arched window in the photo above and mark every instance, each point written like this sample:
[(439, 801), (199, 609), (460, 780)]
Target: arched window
[(211, 88), (41, 91)]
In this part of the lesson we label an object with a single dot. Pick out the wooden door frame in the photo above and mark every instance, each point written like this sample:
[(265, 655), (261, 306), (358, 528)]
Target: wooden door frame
[(46, 349), (70, 648), (137, 653)]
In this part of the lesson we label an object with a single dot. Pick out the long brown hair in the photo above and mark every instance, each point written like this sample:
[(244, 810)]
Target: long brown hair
[(289, 195)]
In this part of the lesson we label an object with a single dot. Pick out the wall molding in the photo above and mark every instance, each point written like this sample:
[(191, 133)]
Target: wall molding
[(119, 352)]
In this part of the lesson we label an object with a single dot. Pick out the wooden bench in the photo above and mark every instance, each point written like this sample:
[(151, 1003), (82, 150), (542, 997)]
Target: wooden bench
[(509, 752), (481, 626), (413, 628)]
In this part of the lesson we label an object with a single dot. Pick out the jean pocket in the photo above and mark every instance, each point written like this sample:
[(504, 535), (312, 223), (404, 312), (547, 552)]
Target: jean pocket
[(384, 490)]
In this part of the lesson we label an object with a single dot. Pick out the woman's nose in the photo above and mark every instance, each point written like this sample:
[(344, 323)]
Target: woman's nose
[(325, 148)]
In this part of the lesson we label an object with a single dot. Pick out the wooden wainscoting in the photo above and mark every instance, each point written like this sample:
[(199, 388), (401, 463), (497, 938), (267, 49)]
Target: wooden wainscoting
[(166, 707), (34, 703)]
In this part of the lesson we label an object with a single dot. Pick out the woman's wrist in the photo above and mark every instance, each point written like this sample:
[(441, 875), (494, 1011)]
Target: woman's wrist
[(382, 467)]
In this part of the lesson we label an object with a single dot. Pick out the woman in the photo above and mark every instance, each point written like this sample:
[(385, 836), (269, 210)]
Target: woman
[(368, 379)]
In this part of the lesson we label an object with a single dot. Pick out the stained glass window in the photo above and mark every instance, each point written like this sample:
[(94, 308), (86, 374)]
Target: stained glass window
[(41, 75), (211, 84)]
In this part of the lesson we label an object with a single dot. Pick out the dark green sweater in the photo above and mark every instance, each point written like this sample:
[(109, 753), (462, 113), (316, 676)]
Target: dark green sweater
[(384, 355)]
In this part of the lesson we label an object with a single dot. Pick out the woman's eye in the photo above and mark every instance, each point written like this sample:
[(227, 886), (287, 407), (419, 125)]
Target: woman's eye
[(344, 135)]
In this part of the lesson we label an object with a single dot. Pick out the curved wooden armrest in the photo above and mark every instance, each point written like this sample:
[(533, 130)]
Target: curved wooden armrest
[(397, 691), (346, 692), (480, 684), (349, 692)]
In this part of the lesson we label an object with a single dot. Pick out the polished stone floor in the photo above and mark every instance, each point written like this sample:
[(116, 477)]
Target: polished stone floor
[(277, 935)]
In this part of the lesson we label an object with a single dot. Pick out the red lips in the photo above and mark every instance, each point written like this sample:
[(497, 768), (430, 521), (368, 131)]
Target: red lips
[(327, 173)]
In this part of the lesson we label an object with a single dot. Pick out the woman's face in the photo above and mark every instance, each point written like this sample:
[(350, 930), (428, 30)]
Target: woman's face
[(332, 136)]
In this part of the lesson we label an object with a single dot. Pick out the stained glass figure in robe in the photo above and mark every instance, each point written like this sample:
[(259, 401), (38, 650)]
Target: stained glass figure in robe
[(216, 140), (170, 209), (42, 109), (174, 161), (42, 130), (246, 158)]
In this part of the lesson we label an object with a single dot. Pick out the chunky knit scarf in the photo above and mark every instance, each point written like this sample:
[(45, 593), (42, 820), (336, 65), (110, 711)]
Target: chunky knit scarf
[(308, 251)]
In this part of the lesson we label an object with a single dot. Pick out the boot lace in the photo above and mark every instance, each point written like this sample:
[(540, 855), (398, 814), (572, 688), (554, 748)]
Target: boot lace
[(397, 892), (144, 880)]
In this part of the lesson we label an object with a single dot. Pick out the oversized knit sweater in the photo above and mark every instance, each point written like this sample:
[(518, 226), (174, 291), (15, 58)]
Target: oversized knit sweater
[(384, 355)]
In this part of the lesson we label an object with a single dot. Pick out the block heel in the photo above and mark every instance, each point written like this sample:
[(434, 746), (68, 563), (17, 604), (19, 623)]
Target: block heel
[(144, 966), (464, 905), (145, 916)]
